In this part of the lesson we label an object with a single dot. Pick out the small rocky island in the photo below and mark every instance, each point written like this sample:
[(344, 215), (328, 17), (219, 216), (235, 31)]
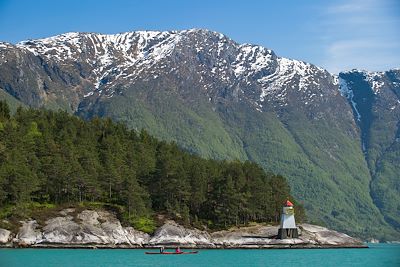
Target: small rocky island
[(102, 229)]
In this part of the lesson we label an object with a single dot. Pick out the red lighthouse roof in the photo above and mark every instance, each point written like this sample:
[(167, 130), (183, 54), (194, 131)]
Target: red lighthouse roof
[(288, 203)]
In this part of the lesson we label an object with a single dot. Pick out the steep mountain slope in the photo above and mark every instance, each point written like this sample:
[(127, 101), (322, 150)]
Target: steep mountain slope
[(376, 101), (219, 99), (13, 103)]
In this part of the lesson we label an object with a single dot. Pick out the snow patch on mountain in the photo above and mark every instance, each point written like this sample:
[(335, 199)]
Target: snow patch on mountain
[(294, 75), (252, 59), (397, 104), (56, 47), (375, 79), (5, 45)]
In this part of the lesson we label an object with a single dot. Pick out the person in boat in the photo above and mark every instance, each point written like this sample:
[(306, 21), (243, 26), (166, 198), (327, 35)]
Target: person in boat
[(178, 250), (161, 249)]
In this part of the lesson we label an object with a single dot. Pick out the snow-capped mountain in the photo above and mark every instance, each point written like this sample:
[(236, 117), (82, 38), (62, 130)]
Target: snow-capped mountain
[(109, 61), (222, 99)]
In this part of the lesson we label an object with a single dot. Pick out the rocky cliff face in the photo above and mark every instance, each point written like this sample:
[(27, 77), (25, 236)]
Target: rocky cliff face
[(225, 100), (89, 228), (172, 234), (5, 236), (375, 98), (101, 229)]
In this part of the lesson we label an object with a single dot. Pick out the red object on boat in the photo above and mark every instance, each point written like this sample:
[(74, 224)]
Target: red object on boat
[(172, 253)]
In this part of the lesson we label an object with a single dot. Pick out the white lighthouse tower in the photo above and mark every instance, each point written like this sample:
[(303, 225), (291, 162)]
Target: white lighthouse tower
[(288, 227)]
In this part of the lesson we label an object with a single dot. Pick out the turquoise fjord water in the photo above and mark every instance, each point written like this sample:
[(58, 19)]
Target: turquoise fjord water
[(377, 255)]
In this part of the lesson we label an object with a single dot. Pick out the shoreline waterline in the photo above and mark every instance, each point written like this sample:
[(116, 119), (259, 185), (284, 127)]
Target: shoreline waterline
[(88, 247), (387, 255)]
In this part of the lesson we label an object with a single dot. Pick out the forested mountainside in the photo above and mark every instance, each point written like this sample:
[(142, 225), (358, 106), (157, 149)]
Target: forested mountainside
[(56, 158), (53, 157), (224, 100)]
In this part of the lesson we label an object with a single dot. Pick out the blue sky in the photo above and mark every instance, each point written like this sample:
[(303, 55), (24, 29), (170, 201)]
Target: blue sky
[(337, 34)]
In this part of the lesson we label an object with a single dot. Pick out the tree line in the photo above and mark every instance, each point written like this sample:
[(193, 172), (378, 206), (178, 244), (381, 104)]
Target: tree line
[(54, 157)]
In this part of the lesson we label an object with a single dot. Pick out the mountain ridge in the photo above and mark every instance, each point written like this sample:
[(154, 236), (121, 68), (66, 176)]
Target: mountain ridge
[(219, 99)]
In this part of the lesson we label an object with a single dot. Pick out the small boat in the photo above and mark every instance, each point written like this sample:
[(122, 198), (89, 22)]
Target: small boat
[(171, 253)]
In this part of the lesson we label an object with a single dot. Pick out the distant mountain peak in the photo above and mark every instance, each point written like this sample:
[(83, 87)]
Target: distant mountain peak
[(126, 57)]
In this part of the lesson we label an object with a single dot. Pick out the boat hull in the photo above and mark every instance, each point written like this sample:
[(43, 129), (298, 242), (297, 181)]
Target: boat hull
[(171, 253)]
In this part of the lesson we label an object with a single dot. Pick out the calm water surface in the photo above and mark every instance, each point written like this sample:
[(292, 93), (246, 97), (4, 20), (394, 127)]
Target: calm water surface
[(377, 255)]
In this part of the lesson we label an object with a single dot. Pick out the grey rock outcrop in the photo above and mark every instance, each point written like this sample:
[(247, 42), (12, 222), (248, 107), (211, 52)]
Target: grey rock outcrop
[(94, 227), (315, 234), (28, 233), (90, 228), (102, 229), (255, 236), (258, 236), (173, 234), (5, 236), (264, 236)]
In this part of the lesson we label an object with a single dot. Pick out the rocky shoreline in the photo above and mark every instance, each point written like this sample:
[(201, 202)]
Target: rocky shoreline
[(101, 229)]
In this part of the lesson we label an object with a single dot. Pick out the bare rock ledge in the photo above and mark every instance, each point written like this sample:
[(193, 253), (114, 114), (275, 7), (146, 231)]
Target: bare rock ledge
[(101, 229)]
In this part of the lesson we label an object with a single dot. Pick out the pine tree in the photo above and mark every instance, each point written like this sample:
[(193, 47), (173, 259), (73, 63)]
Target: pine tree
[(4, 111)]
